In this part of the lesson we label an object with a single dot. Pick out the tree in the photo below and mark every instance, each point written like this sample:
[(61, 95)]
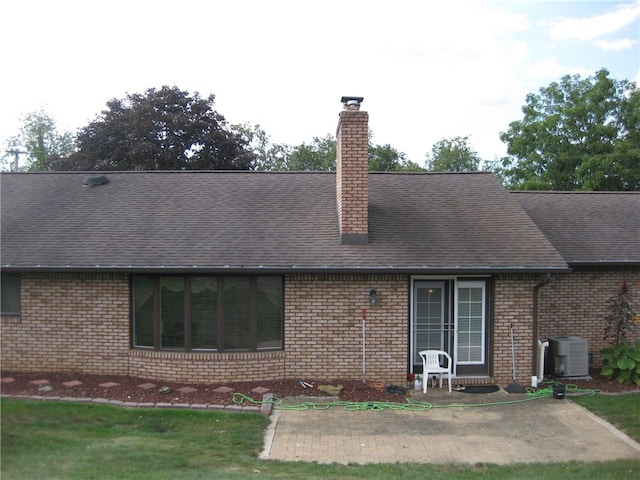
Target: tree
[(453, 155), (320, 155), (385, 158), (619, 170), (165, 129), (269, 156), (40, 141), (576, 134)]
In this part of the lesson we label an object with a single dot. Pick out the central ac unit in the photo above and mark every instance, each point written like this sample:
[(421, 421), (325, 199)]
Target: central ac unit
[(570, 356)]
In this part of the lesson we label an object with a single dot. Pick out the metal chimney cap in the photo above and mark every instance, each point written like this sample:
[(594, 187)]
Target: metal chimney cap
[(352, 102)]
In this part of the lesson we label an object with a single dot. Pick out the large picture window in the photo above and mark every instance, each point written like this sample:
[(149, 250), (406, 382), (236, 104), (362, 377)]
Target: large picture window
[(209, 313)]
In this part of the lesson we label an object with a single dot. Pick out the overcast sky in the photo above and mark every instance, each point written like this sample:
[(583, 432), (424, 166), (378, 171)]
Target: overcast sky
[(427, 69)]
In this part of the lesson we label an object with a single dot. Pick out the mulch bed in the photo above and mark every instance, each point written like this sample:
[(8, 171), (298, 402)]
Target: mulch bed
[(139, 390)]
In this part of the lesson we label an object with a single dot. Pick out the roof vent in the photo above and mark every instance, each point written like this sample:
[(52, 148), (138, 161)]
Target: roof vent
[(91, 180)]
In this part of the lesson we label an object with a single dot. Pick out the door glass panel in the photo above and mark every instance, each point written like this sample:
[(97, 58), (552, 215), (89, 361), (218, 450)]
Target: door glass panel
[(471, 323), (428, 330), (451, 315)]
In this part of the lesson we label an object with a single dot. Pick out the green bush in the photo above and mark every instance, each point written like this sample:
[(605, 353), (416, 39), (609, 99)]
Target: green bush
[(622, 362)]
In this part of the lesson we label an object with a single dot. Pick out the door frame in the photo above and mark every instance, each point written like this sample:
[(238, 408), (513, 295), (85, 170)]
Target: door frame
[(451, 282)]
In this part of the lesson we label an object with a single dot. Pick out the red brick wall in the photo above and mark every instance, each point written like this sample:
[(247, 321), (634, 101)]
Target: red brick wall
[(575, 304), (352, 166), (570, 304), (513, 305), (80, 323), (72, 322), (200, 367), (323, 336)]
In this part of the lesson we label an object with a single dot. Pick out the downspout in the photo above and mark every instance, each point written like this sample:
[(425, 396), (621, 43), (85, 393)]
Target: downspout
[(535, 341), (364, 346)]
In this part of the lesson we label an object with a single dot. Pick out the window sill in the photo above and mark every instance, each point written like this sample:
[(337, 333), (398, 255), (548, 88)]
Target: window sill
[(10, 319), (176, 355)]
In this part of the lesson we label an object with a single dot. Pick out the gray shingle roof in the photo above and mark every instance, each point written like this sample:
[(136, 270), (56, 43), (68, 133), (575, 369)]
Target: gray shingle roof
[(247, 221), (588, 227)]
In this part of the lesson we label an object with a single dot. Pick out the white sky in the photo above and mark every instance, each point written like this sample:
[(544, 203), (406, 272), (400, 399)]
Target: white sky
[(427, 70)]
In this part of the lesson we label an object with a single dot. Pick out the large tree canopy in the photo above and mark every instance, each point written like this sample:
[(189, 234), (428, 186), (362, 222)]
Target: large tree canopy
[(385, 158), (578, 134), (39, 141), (165, 129), (453, 155), (318, 155), (269, 156)]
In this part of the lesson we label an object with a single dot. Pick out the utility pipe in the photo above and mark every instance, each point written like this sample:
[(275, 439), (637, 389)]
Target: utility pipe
[(535, 340), (542, 346), (364, 346)]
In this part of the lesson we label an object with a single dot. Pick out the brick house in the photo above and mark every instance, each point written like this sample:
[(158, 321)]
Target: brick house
[(598, 235), (224, 276)]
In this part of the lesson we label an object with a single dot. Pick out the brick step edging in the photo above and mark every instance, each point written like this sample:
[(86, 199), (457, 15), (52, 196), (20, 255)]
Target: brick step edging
[(264, 408)]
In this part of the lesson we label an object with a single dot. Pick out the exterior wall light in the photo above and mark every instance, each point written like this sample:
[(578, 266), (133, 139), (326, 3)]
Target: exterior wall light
[(373, 298)]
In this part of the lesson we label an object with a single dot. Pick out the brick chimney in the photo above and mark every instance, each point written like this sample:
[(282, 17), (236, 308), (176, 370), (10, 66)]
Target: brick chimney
[(352, 167)]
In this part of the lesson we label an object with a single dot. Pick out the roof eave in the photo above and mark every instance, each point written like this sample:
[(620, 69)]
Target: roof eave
[(279, 269), (601, 263)]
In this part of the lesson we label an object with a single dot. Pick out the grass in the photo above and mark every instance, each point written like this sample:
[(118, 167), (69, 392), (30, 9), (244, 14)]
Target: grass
[(623, 411), (59, 440)]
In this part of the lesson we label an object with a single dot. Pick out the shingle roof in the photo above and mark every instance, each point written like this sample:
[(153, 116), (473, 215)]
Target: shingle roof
[(588, 227), (247, 221)]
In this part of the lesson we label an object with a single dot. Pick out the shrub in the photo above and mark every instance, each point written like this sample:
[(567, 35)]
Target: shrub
[(622, 362), (622, 319)]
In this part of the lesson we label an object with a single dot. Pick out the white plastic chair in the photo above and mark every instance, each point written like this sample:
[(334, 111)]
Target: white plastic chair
[(431, 364)]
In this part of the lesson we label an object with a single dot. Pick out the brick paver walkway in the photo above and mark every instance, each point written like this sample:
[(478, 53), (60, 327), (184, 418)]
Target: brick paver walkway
[(542, 430)]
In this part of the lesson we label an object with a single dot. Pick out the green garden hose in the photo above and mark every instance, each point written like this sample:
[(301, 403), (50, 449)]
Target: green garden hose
[(410, 404)]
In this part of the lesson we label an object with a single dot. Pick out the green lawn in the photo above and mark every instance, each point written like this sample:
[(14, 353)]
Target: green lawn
[(623, 411), (59, 440)]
